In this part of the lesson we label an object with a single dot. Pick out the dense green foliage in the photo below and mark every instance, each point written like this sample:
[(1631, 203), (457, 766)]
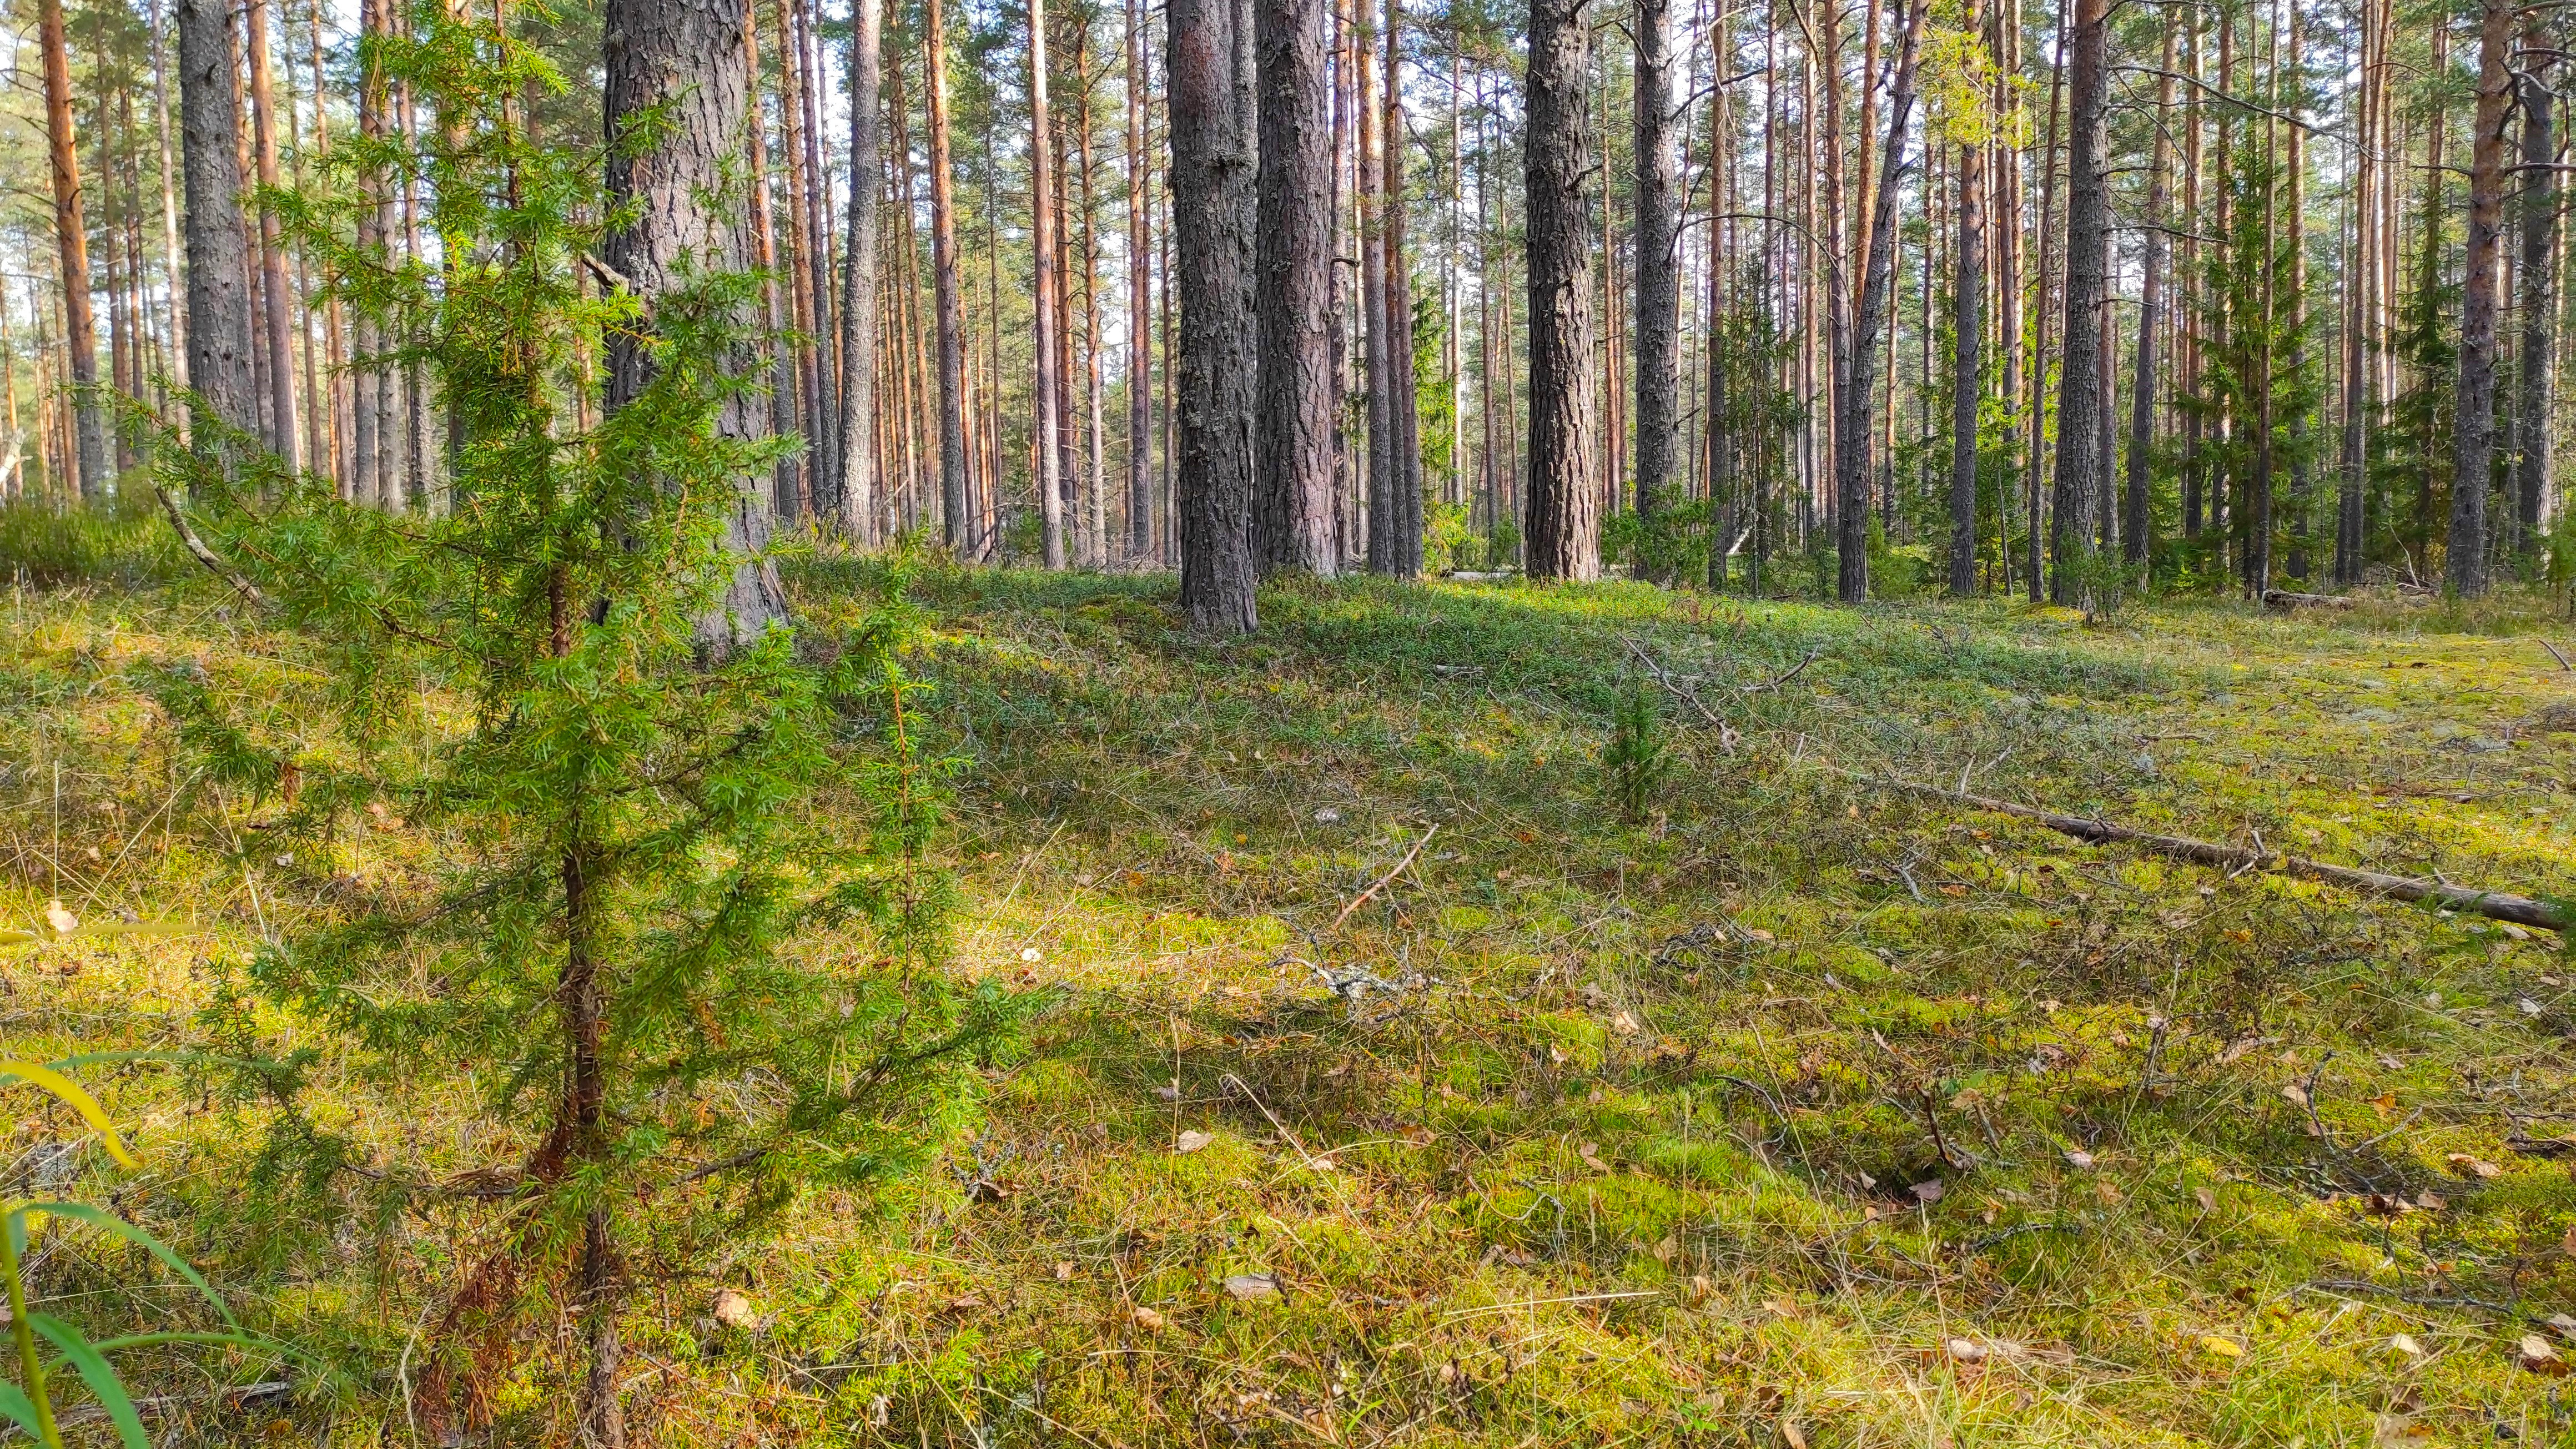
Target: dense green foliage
[(649, 833)]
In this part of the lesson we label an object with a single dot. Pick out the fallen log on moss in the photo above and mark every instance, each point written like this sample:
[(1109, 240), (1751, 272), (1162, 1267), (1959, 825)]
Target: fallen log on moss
[(2290, 599), (2495, 905)]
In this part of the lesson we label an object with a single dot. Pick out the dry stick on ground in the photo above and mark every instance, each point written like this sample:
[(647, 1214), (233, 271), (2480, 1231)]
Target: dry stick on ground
[(1726, 735), (2496, 905), (2291, 599), (1379, 884), (2554, 654)]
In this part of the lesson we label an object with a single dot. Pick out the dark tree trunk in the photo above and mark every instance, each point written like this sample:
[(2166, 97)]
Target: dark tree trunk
[(853, 506), (1563, 527), (677, 77), (1293, 522), (2539, 271), (1213, 91), (2081, 468), (1855, 412), (2473, 441), (218, 257), (1657, 362)]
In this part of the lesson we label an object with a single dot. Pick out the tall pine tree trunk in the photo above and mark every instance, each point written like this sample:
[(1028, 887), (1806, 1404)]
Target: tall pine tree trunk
[(1563, 526), (1967, 332), (71, 240), (1854, 421), (678, 112), (1047, 404), (1404, 447), (1213, 86), (2080, 465), (854, 506), (171, 252), (1378, 376), (2539, 271), (1293, 517), (2151, 311), (2473, 437), (1140, 301), (1657, 360), (278, 307), (218, 260), (948, 301)]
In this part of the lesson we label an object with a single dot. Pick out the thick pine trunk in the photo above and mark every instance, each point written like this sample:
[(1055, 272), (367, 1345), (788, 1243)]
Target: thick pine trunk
[(2081, 468), (678, 66), (2539, 271), (1657, 358), (949, 301), (1293, 519), (1213, 89), (2473, 437), (855, 505), (218, 260), (1563, 527)]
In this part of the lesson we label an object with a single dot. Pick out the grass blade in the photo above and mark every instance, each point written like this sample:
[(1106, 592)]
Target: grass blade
[(109, 1222), (74, 1097), (96, 1372)]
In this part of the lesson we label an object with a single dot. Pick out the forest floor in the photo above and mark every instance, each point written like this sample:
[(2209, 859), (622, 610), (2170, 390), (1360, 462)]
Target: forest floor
[(1793, 1111)]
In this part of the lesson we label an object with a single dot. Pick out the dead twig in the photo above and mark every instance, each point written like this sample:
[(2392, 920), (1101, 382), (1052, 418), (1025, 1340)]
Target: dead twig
[(1234, 1083), (1379, 884), (1801, 667), (2554, 654), (1726, 735)]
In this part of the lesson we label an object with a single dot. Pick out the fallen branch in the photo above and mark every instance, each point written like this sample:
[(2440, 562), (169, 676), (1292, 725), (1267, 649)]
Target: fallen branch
[(2495, 905), (197, 548), (2286, 599), (1726, 735), (1379, 884), (2554, 654), (1812, 656)]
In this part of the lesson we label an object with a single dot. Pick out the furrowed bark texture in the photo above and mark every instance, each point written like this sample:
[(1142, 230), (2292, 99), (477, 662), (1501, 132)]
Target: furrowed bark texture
[(1563, 528), (218, 257), (1213, 107), (1293, 518), (682, 62)]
